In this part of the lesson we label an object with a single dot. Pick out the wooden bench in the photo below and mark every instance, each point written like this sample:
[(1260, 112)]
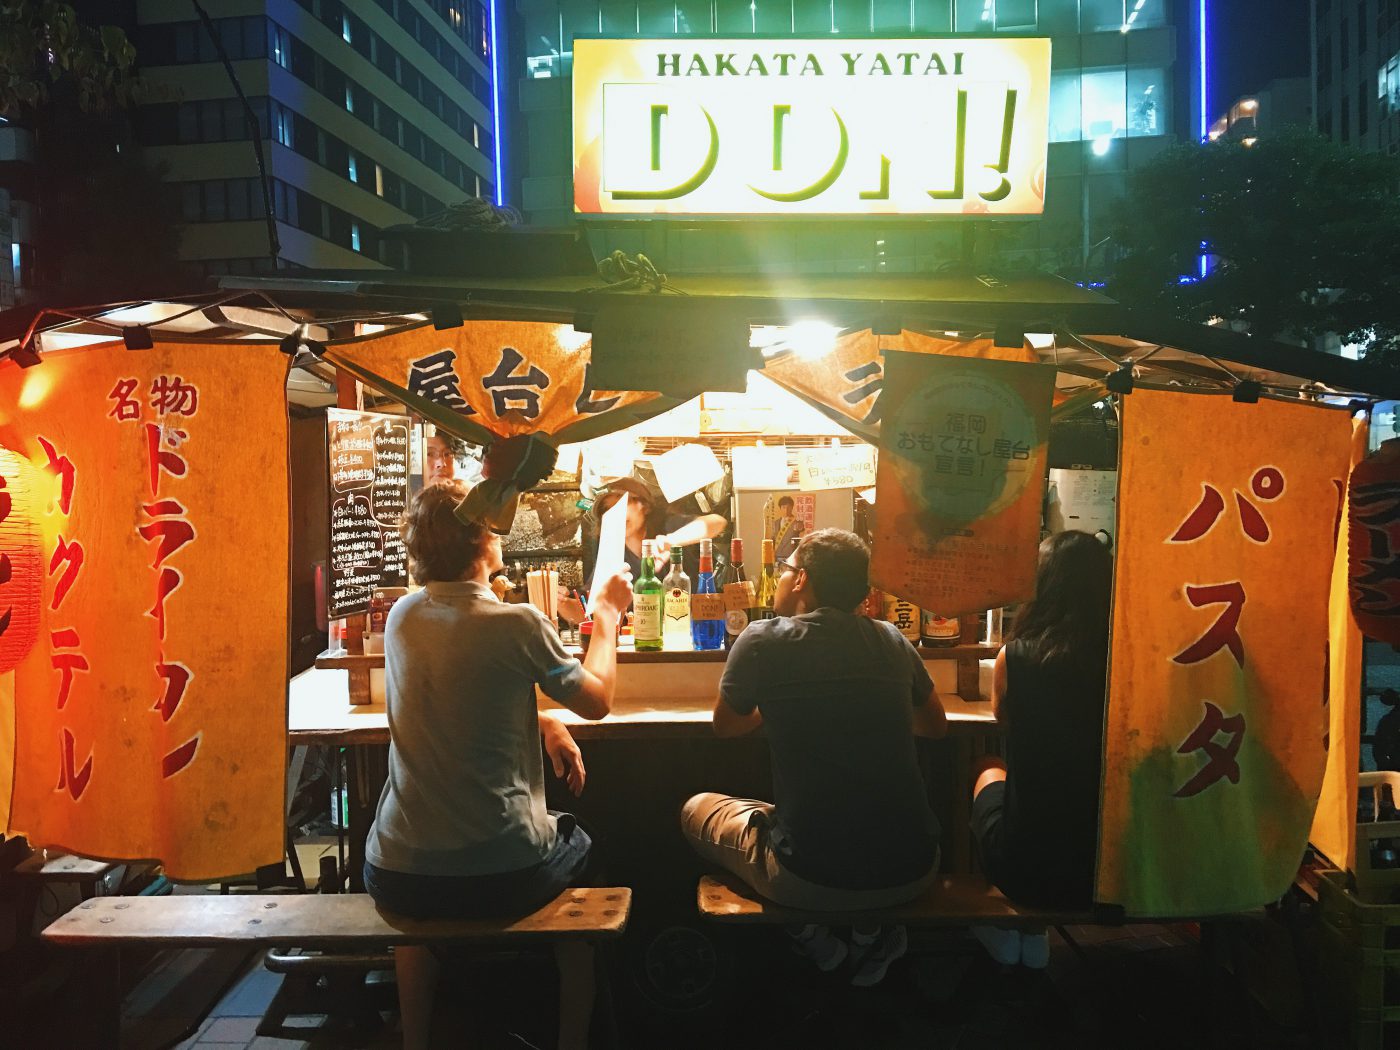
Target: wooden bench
[(329, 922), (954, 900)]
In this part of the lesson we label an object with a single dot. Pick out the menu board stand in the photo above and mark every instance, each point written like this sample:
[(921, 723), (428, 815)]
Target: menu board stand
[(367, 460), (347, 395)]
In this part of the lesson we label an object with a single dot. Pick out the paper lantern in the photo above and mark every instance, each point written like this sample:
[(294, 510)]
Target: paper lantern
[(1373, 543), (21, 560)]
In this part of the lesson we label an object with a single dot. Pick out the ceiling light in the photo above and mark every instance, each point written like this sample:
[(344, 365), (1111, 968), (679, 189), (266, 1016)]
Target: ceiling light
[(810, 340)]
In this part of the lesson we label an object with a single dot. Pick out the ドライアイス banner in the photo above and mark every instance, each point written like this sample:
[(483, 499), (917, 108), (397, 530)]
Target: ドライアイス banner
[(792, 126)]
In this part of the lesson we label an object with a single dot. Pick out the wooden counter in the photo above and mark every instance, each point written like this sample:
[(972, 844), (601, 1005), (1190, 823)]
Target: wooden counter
[(320, 712)]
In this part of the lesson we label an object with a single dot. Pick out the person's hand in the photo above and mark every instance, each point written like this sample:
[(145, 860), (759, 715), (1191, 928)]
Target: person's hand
[(661, 550), (563, 753), (615, 594)]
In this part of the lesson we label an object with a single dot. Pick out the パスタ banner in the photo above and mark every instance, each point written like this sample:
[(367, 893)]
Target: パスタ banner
[(793, 126)]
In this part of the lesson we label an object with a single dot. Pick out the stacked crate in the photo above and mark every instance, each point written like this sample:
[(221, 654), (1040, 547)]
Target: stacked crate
[(1358, 955)]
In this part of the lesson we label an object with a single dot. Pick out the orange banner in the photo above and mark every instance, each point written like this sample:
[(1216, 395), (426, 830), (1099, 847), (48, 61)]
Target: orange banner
[(850, 378), (511, 377), (150, 716), (961, 480), (1334, 822), (1214, 735)]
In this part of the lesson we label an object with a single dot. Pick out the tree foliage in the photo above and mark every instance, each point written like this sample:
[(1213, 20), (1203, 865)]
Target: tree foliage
[(43, 42), (1304, 234)]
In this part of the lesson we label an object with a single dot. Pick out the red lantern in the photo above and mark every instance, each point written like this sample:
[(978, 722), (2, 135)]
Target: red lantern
[(1373, 543), (21, 560)]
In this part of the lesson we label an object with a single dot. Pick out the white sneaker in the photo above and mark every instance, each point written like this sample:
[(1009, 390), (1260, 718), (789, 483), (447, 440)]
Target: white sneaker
[(1035, 950), (1004, 946), (881, 949), (819, 944)]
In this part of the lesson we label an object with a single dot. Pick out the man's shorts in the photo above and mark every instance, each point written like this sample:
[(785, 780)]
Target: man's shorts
[(485, 896)]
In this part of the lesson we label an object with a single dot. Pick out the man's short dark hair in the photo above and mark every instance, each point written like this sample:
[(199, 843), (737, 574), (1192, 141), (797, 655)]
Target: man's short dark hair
[(838, 564), (786, 501)]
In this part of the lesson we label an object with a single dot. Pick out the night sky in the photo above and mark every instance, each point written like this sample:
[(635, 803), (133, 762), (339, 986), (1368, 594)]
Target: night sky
[(1255, 41)]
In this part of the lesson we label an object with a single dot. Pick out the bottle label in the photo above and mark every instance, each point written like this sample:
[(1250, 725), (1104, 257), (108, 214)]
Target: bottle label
[(735, 620), (706, 607), (739, 596), (646, 616), (904, 615), (677, 606)]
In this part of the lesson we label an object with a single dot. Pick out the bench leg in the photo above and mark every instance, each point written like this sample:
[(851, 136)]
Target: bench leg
[(606, 1006), (99, 1025), (416, 971), (578, 985)]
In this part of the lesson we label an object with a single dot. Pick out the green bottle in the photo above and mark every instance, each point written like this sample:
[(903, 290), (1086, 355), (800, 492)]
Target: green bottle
[(647, 596)]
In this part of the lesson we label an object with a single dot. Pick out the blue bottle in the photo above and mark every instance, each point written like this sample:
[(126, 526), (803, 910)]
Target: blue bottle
[(707, 634)]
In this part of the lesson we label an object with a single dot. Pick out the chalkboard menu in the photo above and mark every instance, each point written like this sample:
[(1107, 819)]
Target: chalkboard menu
[(368, 463)]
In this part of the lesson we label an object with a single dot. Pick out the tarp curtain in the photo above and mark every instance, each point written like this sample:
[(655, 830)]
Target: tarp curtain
[(1214, 739), (149, 717), (1334, 823)]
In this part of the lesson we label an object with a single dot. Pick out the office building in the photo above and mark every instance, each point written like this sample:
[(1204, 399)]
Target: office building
[(371, 113), (1286, 102)]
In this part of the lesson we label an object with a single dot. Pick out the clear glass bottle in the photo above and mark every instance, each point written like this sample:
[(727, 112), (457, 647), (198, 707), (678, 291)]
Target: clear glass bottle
[(647, 595), (707, 634), (675, 631)]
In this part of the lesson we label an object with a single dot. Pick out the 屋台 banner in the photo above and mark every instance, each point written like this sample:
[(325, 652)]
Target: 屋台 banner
[(1214, 740), (960, 480), (811, 126)]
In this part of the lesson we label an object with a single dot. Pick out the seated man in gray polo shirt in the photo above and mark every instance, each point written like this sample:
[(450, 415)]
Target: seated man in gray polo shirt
[(841, 698), (462, 829)]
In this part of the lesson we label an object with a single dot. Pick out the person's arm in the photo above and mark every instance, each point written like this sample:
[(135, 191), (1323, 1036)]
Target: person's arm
[(705, 527), (999, 684), (563, 751), (729, 723), (594, 695), (930, 720), (736, 709)]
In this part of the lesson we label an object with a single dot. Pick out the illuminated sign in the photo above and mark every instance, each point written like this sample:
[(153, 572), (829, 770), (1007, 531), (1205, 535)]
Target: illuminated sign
[(933, 126)]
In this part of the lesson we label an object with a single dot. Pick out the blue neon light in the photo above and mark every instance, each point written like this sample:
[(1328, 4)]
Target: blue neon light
[(1205, 107), (496, 104)]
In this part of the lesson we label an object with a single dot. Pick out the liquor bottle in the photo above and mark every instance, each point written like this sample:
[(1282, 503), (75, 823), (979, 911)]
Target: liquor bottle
[(735, 620), (904, 615), (706, 633), (646, 605), (940, 631), (767, 584), (675, 631)]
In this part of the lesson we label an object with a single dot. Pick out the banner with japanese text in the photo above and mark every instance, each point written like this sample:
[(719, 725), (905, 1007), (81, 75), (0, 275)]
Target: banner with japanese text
[(1214, 739), (150, 715), (848, 381), (508, 377), (961, 480), (1334, 823)]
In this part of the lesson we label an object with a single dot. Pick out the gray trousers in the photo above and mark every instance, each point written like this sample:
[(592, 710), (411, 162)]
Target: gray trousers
[(733, 834)]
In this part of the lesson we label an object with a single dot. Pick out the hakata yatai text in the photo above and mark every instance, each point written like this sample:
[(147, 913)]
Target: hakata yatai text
[(888, 127)]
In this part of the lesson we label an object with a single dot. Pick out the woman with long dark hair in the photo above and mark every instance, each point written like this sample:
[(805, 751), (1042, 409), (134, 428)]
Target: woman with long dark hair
[(1035, 813)]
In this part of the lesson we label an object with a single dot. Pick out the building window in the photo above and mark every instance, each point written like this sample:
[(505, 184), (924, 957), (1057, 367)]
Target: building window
[(1362, 116), (1015, 14), (1346, 119), (354, 236), (281, 45), (1361, 29)]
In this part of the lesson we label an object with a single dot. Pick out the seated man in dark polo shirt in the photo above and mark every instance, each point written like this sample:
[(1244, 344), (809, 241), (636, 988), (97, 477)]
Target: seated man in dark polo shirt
[(841, 697)]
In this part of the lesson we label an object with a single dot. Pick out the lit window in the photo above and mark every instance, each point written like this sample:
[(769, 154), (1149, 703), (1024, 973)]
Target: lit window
[(378, 180), (349, 100), (1251, 140), (345, 28), (355, 236), (353, 169)]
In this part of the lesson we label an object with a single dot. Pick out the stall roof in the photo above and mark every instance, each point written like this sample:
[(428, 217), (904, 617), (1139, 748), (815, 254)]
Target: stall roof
[(1092, 335)]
